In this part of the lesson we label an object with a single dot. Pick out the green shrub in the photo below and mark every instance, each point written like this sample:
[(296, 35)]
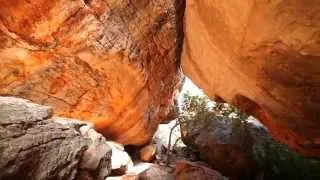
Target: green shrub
[(275, 161)]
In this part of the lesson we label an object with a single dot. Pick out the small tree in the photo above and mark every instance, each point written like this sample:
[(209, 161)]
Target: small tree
[(275, 160), (199, 109), (194, 109)]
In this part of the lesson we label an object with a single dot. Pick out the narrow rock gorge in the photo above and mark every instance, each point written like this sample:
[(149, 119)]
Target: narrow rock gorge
[(119, 65)]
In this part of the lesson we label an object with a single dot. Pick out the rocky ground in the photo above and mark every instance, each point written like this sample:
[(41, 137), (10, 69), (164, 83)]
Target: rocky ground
[(36, 145), (119, 64), (156, 162)]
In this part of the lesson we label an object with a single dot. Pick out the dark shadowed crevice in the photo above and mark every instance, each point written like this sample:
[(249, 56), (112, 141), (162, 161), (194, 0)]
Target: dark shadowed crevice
[(246, 105), (180, 6), (87, 1)]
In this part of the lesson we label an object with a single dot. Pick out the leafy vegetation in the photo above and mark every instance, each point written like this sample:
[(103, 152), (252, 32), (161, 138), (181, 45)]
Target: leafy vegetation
[(275, 161), (195, 109), (199, 109)]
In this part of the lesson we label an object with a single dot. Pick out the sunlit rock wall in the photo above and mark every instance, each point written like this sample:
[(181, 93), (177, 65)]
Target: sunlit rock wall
[(112, 62), (264, 57)]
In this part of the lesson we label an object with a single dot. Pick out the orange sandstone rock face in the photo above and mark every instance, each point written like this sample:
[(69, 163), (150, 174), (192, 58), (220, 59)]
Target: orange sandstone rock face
[(114, 63), (264, 57), (148, 153)]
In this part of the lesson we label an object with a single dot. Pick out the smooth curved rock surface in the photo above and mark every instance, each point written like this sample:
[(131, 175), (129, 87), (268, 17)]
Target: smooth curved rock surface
[(113, 63), (34, 145), (262, 56), (148, 153), (225, 144)]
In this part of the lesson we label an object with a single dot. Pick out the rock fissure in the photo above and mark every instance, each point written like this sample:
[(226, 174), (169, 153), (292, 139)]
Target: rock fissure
[(117, 63)]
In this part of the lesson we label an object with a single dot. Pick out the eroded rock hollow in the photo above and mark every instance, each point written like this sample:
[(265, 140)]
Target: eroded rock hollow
[(262, 56), (114, 63)]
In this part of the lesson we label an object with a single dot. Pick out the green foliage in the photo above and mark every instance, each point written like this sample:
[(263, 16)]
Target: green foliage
[(277, 161), (194, 104), (199, 109), (197, 105), (195, 109)]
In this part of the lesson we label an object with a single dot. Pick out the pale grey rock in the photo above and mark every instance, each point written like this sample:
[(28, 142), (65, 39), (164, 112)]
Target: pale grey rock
[(120, 160), (34, 145)]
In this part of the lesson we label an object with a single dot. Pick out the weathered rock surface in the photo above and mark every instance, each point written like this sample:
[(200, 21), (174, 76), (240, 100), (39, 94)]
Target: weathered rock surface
[(113, 63), (116, 63), (148, 153), (120, 160), (186, 170), (155, 172), (264, 57), (225, 145), (145, 171), (35, 145)]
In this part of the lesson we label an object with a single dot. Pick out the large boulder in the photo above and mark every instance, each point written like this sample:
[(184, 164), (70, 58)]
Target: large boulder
[(148, 153), (154, 172), (120, 160), (225, 144), (262, 56), (186, 170), (113, 63), (34, 145)]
